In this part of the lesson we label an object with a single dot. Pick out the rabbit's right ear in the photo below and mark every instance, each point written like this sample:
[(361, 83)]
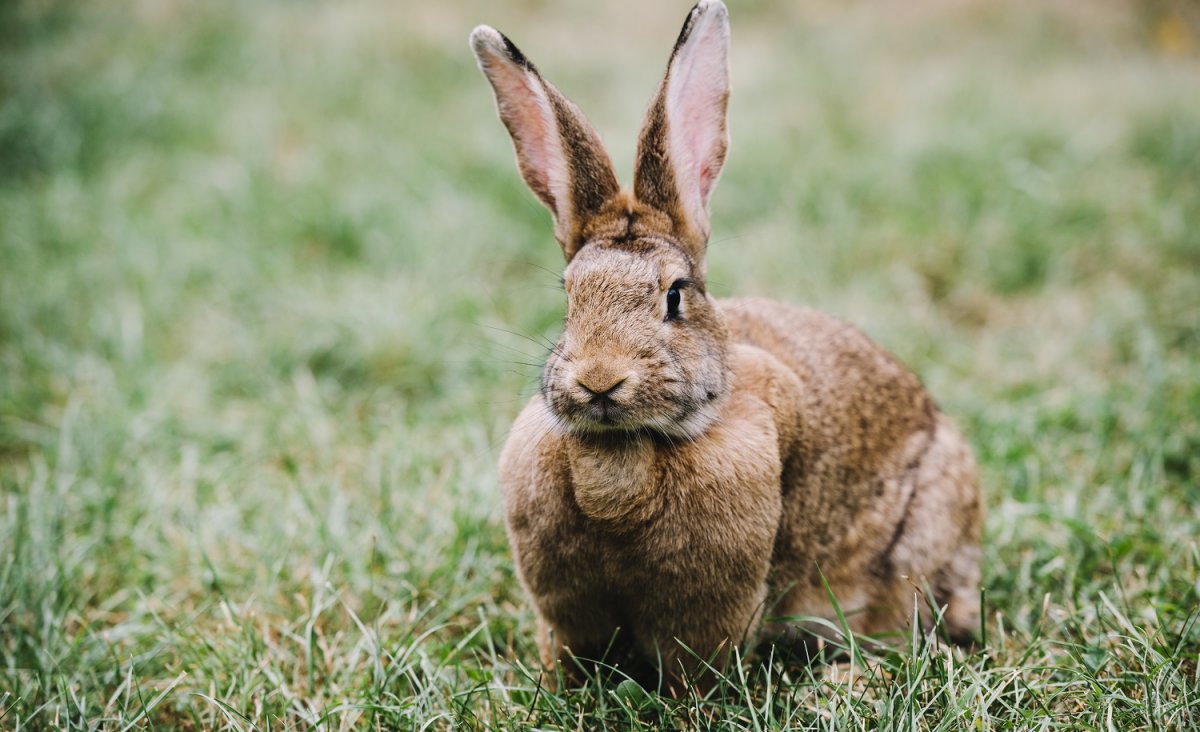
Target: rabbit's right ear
[(559, 153), (684, 138)]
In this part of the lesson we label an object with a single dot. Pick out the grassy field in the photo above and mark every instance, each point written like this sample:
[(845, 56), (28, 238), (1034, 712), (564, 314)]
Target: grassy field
[(271, 291)]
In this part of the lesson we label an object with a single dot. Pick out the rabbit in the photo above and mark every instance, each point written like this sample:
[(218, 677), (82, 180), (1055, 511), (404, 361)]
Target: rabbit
[(692, 465)]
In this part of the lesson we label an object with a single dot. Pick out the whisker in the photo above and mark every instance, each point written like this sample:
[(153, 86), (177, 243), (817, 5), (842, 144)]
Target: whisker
[(540, 341)]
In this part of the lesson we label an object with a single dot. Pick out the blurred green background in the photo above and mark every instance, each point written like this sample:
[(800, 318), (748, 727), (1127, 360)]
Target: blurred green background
[(271, 291)]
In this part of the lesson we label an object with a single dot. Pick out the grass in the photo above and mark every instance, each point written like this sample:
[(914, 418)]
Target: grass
[(266, 273)]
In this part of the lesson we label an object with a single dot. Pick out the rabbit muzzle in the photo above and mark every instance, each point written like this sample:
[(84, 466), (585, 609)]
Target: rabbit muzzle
[(641, 351)]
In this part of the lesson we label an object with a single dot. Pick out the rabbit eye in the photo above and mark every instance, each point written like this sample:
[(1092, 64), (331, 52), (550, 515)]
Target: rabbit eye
[(673, 299)]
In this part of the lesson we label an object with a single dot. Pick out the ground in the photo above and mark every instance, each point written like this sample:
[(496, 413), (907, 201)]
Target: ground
[(271, 291)]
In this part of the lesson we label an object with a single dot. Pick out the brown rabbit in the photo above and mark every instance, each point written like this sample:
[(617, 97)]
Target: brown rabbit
[(689, 462)]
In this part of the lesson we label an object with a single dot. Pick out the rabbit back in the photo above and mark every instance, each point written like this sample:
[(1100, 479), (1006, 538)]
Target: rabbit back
[(879, 490)]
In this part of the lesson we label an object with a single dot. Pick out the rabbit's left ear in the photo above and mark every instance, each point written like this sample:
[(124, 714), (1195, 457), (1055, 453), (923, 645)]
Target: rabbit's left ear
[(558, 151), (684, 137)]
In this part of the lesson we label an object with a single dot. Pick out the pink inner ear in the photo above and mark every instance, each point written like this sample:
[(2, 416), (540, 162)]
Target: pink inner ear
[(525, 110), (696, 96), (705, 147), (706, 181)]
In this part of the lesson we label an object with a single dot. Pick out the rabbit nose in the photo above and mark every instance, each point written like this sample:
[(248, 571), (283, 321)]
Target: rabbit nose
[(600, 387)]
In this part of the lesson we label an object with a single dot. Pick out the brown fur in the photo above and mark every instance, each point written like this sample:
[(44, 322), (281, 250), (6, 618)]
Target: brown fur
[(684, 472)]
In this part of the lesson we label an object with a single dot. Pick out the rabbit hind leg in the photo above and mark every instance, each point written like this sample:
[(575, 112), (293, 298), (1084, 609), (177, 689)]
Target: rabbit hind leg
[(938, 551)]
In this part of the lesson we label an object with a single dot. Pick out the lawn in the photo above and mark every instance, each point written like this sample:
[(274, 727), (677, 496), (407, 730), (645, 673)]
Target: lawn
[(271, 291)]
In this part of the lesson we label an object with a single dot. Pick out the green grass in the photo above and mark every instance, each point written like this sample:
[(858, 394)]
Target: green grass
[(266, 273)]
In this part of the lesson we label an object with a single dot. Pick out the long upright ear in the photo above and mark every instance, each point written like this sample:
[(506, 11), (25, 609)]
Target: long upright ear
[(684, 137), (559, 153)]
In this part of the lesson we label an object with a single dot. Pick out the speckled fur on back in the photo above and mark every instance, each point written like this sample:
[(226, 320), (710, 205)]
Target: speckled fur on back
[(694, 471)]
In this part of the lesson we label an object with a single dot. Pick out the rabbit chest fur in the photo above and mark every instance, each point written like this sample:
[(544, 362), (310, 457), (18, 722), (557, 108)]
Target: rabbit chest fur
[(664, 539), (695, 475)]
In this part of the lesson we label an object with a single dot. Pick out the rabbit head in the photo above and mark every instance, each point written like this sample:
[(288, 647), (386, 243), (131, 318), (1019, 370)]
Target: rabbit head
[(644, 347)]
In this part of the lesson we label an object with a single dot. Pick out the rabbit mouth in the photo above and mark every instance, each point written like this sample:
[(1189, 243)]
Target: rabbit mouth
[(636, 414), (593, 413), (607, 418), (603, 415), (605, 412)]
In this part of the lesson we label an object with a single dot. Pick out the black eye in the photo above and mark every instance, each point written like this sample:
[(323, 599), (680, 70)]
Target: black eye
[(673, 299)]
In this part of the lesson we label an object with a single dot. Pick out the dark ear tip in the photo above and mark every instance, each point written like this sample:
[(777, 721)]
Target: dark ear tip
[(710, 6), (716, 8), (487, 42)]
